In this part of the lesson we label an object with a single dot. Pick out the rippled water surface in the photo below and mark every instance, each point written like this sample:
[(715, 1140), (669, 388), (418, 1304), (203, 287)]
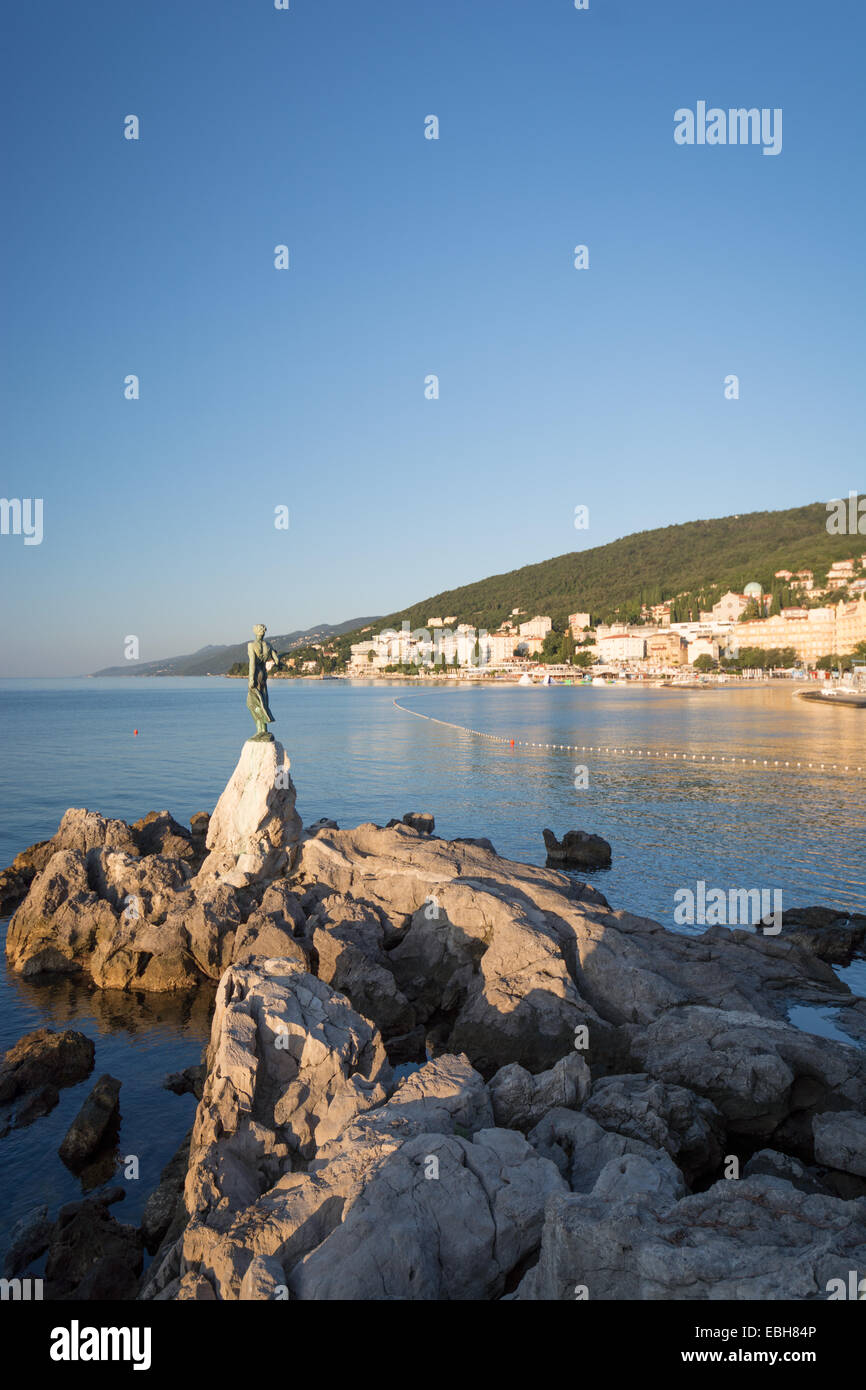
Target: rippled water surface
[(356, 755)]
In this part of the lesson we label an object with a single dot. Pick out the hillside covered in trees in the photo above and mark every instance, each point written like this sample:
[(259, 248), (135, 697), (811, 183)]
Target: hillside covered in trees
[(696, 560)]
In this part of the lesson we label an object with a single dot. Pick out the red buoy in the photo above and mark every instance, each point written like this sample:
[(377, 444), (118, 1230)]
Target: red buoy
[(512, 743), (135, 731)]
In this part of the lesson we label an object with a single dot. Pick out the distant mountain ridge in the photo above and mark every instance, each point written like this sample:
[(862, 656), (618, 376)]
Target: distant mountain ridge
[(216, 660)]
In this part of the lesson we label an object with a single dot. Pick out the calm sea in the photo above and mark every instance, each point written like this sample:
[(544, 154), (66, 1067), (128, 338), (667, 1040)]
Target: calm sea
[(357, 756)]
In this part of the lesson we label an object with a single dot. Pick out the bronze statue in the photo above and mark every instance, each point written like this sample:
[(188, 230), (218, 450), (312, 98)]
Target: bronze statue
[(262, 658)]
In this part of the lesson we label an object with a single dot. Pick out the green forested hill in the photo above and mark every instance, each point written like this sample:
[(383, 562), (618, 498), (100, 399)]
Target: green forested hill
[(697, 558)]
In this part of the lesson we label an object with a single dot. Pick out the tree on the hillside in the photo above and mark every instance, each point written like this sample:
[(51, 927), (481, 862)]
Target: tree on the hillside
[(566, 651)]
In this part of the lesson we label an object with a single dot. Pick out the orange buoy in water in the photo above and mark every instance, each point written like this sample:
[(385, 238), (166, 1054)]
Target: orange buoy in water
[(512, 743), (135, 731)]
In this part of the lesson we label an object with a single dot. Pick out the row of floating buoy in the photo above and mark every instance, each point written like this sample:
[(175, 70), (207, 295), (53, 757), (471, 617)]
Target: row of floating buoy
[(649, 753)]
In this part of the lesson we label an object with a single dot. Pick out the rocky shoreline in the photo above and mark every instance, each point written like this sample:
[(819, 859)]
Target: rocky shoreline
[(438, 1074)]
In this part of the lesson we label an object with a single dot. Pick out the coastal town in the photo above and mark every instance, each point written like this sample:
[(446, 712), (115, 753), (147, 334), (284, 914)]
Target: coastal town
[(806, 623)]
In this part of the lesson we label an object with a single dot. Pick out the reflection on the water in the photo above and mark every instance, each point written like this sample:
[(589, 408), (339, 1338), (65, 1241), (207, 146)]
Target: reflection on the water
[(64, 1002)]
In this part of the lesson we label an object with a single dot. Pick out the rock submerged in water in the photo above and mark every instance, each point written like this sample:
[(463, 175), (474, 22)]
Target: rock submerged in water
[(187, 1082), (422, 821), (97, 1117), (91, 1256), (576, 850), (829, 934), (45, 1057)]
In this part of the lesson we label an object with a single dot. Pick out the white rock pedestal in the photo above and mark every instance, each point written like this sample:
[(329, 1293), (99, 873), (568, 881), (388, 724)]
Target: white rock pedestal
[(255, 824)]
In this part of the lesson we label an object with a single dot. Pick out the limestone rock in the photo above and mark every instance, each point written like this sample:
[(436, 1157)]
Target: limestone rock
[(273, 930), (422, 821), (159, 833), (399, 872), (581, 1149), (16, 880), (521, 1100), (137, 887), (289, 1065), (632, 1174), (57, 927), (129, 922), (769, 1163), (685, 1125), (633, 969), (194, 1288), (83, 831), (254, 825), (212, 920), (756, 1071), (287, 1138), (840, 1140), (165, 1203), (446, 1096), (515, 958), (302, 1208), (348, 941), (265, 1279), (467, 1212), (755, 1238)]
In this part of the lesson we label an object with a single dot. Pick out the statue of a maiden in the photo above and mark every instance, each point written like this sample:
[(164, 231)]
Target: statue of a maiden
[(262, 658)]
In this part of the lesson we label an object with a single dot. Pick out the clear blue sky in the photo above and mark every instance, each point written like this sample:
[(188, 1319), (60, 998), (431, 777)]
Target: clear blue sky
[(408, 257)]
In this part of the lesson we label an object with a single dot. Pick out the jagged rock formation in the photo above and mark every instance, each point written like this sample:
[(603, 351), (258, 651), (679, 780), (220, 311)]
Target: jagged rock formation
[(755, 1238), (255, 825), (144, 923), (580, 1077)]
